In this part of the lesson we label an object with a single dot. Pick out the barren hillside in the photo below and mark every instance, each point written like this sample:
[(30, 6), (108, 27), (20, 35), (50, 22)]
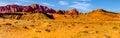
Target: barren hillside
[(68, 24)]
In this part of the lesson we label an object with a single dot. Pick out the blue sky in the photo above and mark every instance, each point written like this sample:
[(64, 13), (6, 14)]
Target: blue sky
[(81, 5)]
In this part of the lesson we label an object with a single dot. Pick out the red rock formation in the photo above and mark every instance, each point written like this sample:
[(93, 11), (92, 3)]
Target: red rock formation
[(59, 11), (27, 9), (72, 12), (10, 8), (34, 8)]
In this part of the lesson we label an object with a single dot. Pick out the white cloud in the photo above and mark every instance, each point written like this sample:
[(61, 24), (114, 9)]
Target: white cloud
[(63, 3), (4, 3), (24, 0), (81, 6), (48, 4), (19, 2)]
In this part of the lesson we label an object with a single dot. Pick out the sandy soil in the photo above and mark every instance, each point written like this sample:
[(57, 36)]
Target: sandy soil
[(10, 28), (67, 27)]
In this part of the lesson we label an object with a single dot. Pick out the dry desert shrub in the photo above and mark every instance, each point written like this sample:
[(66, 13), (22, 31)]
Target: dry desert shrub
[(8, 24), (0, 26), (86, 27), (114, 27), (25, 27), (38, 31), (85, 31), (96, 31), (16, 22), (47, 30), (32, 25), (49, 25)]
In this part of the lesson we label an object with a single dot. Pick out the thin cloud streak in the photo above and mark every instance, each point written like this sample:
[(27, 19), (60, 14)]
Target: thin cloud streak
[(81, 6), (63, 3), (48, 4)]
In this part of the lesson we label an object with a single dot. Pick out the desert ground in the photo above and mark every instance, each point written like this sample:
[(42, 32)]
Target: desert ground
[(38, 25)]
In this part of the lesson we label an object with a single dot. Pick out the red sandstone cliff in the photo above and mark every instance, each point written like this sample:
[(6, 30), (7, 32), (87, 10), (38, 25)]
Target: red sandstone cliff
[(34, 8)]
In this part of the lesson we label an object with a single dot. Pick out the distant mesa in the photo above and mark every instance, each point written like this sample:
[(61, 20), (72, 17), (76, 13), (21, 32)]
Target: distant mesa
[(103, 15), (34, 8), (101, 11)]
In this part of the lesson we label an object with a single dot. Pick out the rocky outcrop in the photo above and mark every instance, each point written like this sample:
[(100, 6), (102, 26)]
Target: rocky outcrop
[(72, 12), (27, 9), (59, 11), (34, 8), (10, 8), (100, 11)]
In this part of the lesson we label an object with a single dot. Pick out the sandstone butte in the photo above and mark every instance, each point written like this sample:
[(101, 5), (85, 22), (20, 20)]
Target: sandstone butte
[(34, 8)]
